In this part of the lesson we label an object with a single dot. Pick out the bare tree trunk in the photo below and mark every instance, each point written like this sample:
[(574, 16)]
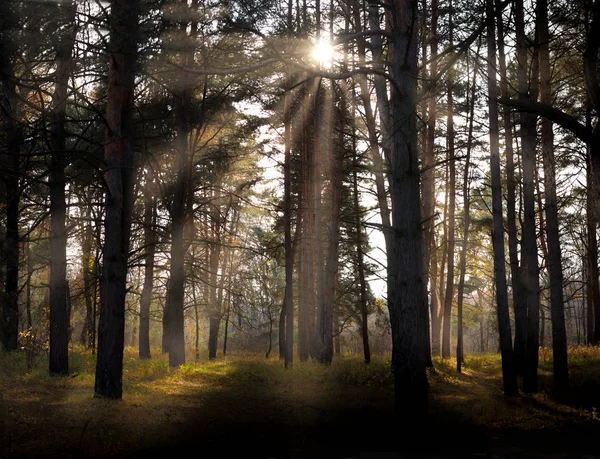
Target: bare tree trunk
[(529, 253), (30, 267), (449, 296), (118, 155), (306, 291), (59, 320), (364, 313), (87, 262), (593, 315), (287, 215), (325, 322), (554, 263), (150, 246), (508, 372), (405, 274), (466, 224), (519, 303), (428, 179), (9, 313)]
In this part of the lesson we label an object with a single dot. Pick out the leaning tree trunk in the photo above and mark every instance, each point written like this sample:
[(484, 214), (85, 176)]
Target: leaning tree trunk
[(118, 155), (509, 377), (59, 319)]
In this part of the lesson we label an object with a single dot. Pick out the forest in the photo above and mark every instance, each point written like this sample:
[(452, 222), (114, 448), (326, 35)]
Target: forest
[(299, 228)]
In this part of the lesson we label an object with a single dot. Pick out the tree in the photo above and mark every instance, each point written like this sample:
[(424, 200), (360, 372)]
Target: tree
[(12, 110), (119, 178), (150, 248), (59, 318), (509, 377), (449, 296), (405, 276), (554, 263)]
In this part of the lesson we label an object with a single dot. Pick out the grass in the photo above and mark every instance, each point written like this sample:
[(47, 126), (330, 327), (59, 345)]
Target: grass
[(243, 402)]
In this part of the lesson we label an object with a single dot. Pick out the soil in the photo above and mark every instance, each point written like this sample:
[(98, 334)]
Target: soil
[(242, 414)]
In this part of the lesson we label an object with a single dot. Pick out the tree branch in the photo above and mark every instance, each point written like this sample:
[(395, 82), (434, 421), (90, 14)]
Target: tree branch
[(558, 116)]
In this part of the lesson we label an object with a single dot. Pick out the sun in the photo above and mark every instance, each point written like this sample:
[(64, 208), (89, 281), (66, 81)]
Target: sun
[(323, 53)]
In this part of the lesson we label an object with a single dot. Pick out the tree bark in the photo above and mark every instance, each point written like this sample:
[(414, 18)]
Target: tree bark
[(364, 313), (59, 319), (150, 246), (554, 263), (118, 155), (466, 224), (428, 181), (509, 378), (449, 296), (405, 274), (593, 313), (287, 214), (529, 245), (9, 314), (519, 304)]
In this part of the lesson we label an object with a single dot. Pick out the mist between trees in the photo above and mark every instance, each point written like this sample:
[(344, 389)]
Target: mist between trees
[(195, 176)]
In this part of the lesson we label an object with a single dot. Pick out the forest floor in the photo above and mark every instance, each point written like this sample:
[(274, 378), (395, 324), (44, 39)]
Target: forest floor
[(246, 406)]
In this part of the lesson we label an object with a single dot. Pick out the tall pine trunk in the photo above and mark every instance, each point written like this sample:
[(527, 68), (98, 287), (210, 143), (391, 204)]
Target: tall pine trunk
[(428, 182), (449, 296), (405, 276), (150, 247), (508, 372), (529, 244), (288, 305), (554, 263), (118, 155), (59, 319), (519, 303), (11, 108), (466, 224)]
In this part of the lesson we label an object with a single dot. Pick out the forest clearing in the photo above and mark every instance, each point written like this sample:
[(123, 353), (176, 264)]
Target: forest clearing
[(245, 405)]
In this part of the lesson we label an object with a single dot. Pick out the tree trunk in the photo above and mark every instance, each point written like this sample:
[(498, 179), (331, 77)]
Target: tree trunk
[(59, 319), (215, 311), (405, 275), (118, 155), (9, 314), (428, 179), (593, 312), (529, 245), (150, 246), (466, 224), (287, 215), (87, 262), (306, 290), (508, 372), (364, 313), (331, 268), (554, 263), (519, 304), (449, 296)]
